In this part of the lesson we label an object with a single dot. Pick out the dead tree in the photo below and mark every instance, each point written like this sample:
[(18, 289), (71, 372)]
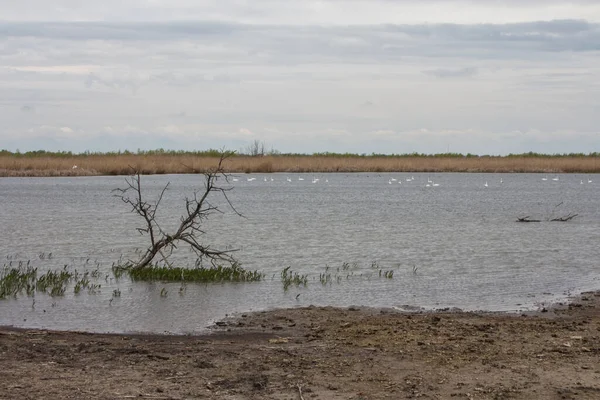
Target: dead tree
[(198, 209)]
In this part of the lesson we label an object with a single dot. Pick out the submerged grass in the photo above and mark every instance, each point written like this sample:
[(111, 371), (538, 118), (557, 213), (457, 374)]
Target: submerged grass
[(233, 273), (24, 278), (292, 278), (13, 281)]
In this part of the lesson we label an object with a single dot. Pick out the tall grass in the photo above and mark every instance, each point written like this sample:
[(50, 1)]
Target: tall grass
[(63, 164)]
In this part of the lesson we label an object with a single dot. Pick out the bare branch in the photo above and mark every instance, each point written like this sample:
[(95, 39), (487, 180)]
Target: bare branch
[(198, 210)]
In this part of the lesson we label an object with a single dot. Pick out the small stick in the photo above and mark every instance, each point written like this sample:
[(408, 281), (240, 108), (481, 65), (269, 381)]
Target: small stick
[(300, 392)]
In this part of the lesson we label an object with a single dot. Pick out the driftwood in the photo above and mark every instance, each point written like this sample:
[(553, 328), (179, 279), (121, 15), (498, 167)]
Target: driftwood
[(567, 217), (528, 219)]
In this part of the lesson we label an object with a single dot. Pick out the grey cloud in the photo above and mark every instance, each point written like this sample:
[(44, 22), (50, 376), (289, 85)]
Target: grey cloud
[(92, 80), (195, 44), (137, 31), (452, 73)]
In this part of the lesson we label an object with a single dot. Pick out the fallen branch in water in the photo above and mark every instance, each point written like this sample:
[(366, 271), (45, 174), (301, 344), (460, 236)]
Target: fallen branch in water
[(527, 219), (565, 218)]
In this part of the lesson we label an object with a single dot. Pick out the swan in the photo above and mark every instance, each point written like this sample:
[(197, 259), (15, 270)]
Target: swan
[(589, 181), (501, 181), (486, 184), (288, 179), (434, 184), (555, 178), (393, 180), (265, 178), (300, 179), (544, 178), (251, 179), (429, 180), (581, 182)]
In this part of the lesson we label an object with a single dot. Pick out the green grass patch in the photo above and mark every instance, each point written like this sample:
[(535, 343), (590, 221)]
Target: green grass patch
[(233, 273)]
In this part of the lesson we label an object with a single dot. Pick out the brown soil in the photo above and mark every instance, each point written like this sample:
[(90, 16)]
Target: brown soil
[(321, 353)]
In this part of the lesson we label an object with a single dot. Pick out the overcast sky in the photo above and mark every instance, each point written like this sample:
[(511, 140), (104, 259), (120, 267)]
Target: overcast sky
[(385, 76)]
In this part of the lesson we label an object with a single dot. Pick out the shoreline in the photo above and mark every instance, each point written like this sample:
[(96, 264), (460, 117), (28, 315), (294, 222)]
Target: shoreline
[(322, 353), (545, 309)]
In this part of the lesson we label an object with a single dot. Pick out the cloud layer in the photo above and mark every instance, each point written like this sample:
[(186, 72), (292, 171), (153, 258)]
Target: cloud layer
[(204, 77)]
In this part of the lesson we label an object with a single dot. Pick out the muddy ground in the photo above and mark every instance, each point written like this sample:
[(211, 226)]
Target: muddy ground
[(320, 353)]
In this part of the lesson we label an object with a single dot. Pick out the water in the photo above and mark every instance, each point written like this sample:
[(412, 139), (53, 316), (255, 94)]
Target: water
[(461, 238)]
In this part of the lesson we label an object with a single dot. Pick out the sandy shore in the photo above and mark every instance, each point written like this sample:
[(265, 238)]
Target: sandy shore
[(321, 353)]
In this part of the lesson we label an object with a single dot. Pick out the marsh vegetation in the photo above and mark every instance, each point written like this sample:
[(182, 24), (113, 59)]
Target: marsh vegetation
[(178, 162)]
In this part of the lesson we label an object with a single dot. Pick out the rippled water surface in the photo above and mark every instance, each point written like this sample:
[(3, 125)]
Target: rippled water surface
[(452, 245)]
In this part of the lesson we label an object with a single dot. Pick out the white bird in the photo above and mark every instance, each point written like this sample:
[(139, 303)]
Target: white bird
[(272, 179), (251, 179), (265, 178), (589, 181), (581, 182), (428, 185), (486, 185), (390, 182), (74, 167), (434, 184), (300, 179), (235, 179), (429, 180), (326, 180), (544, 178), (315, 180), (555, 178), (501, 181), (393, 180), (289, 179)]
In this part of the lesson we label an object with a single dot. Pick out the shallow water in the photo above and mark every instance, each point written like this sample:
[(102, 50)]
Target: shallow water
[(454, 245)]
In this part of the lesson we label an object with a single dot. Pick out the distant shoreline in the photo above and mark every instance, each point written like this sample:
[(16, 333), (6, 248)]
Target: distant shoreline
[(150, 163)]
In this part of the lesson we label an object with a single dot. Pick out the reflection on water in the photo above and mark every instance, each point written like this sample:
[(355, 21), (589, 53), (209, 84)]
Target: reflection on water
[(460, 238)]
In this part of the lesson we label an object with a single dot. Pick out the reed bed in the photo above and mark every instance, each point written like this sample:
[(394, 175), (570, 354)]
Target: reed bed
[(124, 164)]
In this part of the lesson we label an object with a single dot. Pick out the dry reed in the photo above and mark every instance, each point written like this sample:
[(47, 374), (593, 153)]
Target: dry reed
[(124, 164)]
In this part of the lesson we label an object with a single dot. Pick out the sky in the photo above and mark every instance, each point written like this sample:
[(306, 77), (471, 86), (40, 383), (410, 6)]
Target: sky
[(302, 76)]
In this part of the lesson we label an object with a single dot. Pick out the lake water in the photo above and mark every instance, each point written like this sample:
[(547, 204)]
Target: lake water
[(452, 245)]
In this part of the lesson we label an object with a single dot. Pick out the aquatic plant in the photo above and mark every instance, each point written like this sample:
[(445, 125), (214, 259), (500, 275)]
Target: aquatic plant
[(289, 278), (14, 280), (228, 273)]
